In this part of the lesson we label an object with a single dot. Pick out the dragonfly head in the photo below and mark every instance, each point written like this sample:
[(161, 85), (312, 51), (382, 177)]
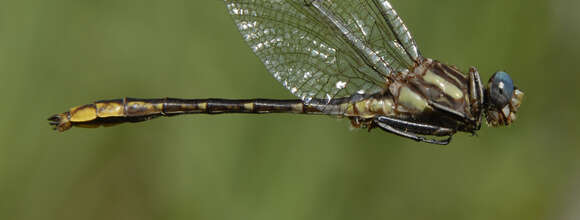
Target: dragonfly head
[(502, 100)]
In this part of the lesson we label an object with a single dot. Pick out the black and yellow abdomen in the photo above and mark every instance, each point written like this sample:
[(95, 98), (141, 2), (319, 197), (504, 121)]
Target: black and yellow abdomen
[(111, 112)]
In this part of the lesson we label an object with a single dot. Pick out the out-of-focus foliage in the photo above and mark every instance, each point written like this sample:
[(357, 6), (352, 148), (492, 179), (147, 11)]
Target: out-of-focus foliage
[(61, 53)]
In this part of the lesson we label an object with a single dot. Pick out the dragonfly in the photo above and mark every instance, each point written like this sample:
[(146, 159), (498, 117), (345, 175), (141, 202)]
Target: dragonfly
[(352, 59)]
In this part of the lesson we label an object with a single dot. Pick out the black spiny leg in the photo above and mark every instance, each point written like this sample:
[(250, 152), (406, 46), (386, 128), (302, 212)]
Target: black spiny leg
[(452, 112), (412, 136), (424, 129), (457, 115), (411, 130)]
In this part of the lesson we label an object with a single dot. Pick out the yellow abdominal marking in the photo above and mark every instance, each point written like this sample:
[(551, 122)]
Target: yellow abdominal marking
[(297, 107), (202, 106), (249, 106), (363, 108), (388, 107), (369, 108), (376, 106), (412, 100), (109, 109), (445, 86), (382, 106), (83, 113)]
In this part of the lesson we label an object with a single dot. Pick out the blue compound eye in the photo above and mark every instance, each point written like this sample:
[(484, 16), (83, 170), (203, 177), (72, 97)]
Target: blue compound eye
[(501, 89)]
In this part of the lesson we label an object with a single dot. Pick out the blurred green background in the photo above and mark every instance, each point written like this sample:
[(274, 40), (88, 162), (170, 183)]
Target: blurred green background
[(61, 53)]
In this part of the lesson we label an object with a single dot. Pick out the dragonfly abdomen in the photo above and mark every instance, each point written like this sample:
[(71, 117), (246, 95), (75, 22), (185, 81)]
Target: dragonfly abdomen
[(370, 108), (111, 112)]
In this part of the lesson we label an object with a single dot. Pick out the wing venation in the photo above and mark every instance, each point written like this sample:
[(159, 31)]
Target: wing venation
[(326, 49)]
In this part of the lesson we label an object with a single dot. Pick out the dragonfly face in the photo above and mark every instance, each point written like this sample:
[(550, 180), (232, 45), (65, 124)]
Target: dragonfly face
[(502, 100)]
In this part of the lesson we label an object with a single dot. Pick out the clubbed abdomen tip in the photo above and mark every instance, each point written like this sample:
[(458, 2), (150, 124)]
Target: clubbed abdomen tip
[(60, 122)]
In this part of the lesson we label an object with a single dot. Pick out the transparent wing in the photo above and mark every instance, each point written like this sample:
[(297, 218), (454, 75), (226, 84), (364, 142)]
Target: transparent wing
[(326, 49)]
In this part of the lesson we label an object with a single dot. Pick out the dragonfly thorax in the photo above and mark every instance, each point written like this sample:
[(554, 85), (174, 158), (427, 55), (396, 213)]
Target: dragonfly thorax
[(432, 93)]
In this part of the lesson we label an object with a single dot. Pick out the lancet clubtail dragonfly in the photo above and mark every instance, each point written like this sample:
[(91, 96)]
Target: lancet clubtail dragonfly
[(354, 59)]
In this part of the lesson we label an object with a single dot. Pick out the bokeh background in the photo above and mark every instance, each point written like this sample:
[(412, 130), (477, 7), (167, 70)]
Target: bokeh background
[(62, 53)]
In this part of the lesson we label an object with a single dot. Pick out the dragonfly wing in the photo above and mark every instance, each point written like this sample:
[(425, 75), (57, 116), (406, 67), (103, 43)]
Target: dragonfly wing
[(329, 51), (399, 29)]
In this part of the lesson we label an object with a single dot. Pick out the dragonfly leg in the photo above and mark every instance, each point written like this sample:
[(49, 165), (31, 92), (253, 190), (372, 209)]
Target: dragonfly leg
[(412, 136), (458, 115), (405, 129), (476, 97), (424, 129)]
